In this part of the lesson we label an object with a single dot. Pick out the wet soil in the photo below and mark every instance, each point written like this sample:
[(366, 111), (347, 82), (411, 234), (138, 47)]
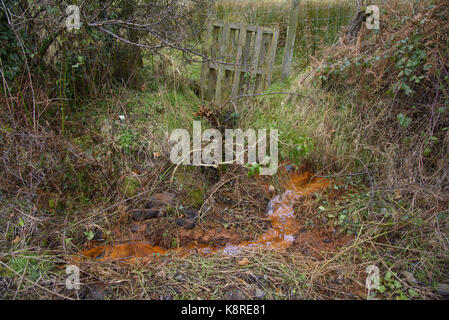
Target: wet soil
[(286, 230)]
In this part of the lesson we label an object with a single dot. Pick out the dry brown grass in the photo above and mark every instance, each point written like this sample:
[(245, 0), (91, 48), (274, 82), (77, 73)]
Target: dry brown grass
[(415, 154)]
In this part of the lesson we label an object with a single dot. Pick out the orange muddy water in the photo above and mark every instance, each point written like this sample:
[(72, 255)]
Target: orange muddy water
[(280, 236)]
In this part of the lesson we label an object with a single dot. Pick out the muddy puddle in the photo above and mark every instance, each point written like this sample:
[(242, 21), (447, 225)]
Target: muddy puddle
[(283, 231)]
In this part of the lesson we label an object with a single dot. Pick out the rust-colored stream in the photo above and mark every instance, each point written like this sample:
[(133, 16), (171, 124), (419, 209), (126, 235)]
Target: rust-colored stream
[(280, 236)]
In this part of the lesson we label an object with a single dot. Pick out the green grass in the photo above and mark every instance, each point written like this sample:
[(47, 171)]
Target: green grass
[(320, 22), (31, 265)]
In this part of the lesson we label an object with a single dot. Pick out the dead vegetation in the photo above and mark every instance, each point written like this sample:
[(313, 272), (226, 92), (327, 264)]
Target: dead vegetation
[(400, 76), (396, 82), (68, 185)]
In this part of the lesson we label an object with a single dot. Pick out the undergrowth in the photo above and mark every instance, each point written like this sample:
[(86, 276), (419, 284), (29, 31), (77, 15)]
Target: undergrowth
[(372, 117)]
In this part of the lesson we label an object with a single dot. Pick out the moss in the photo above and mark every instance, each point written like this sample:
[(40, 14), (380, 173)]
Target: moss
[(192, 187), (195, 197), (130, 186)]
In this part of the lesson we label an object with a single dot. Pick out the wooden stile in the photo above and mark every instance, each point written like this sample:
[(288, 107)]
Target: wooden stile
[(242, 60)]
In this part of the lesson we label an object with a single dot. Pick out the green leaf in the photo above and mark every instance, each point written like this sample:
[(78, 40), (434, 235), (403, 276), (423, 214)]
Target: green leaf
[(404, 121), (405, 87), (412, 293), (442, 215), (89, 235)]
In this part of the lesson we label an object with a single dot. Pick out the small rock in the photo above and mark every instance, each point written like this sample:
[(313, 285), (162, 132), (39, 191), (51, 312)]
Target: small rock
[(93, 292), (98, 235), (185, 223), (148, 214), (409, 278), (179, 276), (235, 295), (141, 215), (190, 213), (443, 289), (150, 204), (259, 293), (135, 227), (160, 199), (271, 188)]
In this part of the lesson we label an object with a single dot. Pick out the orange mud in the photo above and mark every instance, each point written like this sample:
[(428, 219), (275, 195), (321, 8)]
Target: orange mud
[(123, 251), (281, 235)]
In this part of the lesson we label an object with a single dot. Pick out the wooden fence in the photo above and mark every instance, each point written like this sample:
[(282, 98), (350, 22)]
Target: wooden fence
[(241, 60)]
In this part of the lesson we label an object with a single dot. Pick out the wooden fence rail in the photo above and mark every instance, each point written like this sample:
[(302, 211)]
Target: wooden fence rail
[(242, 60)]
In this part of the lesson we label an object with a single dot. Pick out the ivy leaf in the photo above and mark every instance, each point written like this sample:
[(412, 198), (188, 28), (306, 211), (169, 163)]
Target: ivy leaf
[(412, 293), (89, 235), (404, 121), (408, 91)]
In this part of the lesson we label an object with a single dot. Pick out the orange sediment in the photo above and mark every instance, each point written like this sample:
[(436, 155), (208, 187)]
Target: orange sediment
[(280, 236), (123, 251)]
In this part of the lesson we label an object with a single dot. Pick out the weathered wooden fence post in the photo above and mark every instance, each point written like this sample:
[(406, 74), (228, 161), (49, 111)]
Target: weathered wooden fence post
[(291, 36)]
